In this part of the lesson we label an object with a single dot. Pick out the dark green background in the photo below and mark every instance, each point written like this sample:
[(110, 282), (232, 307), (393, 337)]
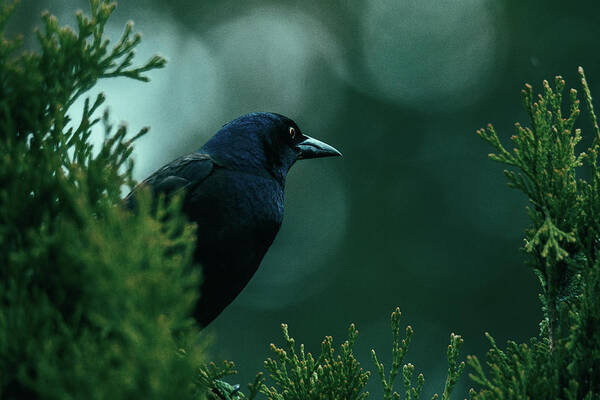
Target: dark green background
[(414, 215)]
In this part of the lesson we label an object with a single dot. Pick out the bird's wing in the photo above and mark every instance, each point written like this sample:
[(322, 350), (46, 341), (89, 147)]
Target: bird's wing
[(183, 173)]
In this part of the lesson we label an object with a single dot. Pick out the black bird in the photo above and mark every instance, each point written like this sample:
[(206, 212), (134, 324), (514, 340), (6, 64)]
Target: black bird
[(234, 187)]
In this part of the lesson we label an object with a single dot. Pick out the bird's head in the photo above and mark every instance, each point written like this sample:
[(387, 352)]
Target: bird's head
[(264, 142)]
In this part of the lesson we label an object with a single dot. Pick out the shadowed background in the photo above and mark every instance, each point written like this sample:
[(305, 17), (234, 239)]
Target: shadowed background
[(414, 215)]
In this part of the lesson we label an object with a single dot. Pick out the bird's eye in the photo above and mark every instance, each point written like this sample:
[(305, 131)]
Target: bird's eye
[(292, 132)]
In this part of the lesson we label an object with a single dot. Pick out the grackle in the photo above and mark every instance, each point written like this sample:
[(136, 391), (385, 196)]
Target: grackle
[(233, 189)]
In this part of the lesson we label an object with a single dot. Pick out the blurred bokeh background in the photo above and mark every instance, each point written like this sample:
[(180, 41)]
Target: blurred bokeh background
[(414, 215)]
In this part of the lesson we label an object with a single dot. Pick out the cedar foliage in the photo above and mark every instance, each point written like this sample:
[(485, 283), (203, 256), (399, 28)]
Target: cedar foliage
[(299, 376), (89, 294), (561, 246)]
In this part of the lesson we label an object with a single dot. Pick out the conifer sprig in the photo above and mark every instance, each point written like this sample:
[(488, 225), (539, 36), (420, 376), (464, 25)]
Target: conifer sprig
[(301, 376), (91, 296), (562, 245)]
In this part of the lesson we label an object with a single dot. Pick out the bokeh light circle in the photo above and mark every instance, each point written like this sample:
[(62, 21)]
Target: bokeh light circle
[(428, 54)]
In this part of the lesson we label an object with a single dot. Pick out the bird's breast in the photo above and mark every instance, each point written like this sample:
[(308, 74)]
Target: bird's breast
[(243, 210)]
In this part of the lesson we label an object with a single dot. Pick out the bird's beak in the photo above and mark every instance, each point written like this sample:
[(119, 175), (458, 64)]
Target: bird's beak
[(313, 148)]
